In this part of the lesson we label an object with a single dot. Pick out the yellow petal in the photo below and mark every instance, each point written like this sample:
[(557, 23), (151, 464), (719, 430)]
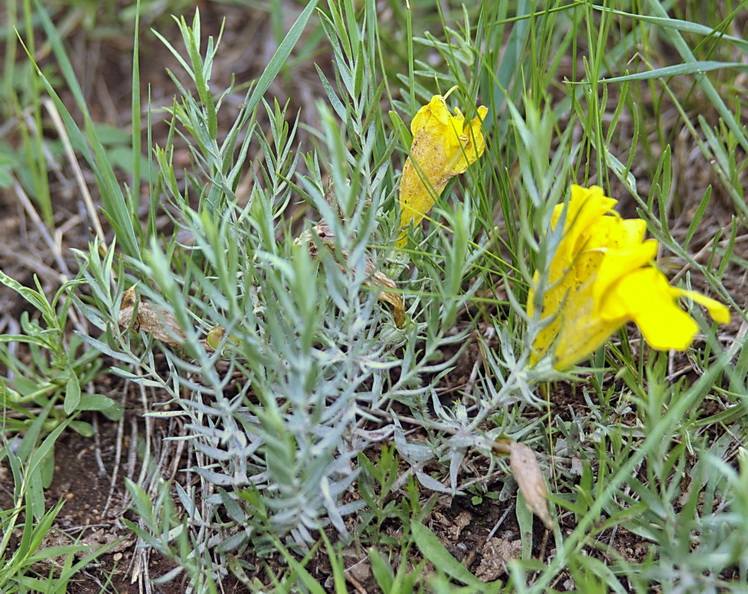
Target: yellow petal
[(631, 232), (470, 143), (585, 211), (531, 295), (613, 232), (719, 312), (431, 116), (585, 205), (457, 123), (441, 149), (578, 343), (476, 122), (648, 298), (582, 331), (418, 195), (615, 265), (601, 277), (575, 330)]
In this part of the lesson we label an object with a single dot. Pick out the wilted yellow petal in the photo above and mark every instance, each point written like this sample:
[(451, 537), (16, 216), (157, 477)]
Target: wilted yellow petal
[(443, 146)]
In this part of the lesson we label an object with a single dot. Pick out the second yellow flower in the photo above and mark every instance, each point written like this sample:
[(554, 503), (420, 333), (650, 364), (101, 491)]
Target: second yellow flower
[(444, 145)]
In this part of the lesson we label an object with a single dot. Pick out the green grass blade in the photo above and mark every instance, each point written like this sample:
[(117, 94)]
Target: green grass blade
[(679, 25), (280, 57), (115, 202), (706, 85), (433, 550), (695, 67), (136, 118)]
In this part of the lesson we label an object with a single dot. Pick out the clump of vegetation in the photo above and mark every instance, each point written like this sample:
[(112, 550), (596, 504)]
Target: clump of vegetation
[(353, 326)]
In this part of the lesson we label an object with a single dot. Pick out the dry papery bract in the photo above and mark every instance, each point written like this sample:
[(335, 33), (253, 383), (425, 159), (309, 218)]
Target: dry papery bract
[(526, 472), (154, 321), (374, 277)]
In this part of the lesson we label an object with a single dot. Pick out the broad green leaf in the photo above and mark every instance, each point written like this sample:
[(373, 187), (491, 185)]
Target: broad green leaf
[(72, 393)]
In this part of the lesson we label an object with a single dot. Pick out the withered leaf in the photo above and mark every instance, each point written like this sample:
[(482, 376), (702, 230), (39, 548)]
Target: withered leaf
[(151, 319), (380, 279), (530, 480), (374, 278)]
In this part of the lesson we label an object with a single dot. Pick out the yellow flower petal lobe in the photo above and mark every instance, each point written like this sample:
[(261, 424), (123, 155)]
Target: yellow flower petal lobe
[(615, 265), (717, 310), (648, 299)]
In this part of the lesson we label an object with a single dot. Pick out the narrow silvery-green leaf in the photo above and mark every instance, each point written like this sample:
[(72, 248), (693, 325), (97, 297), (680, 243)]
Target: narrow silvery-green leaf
[(72, 393)]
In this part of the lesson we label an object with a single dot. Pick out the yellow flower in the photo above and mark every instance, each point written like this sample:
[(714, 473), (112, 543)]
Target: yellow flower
[(602, 277), (444, 145)]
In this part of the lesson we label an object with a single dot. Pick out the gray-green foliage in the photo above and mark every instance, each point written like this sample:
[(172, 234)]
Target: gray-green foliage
[(278, 412), (280, 416)]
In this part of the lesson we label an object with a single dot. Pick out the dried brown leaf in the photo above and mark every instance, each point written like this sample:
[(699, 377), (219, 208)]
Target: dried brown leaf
[(531, 483), (375, 277), (382, 280), (151, 319)]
